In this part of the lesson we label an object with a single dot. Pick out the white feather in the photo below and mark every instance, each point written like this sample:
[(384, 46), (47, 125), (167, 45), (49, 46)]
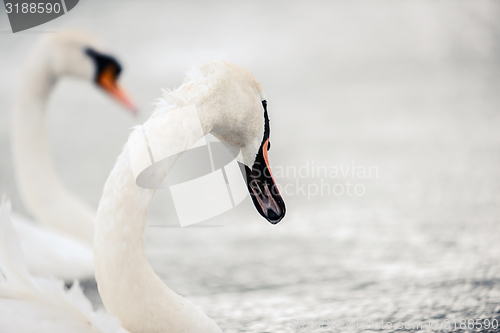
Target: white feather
[(48, 253), (42, 305)]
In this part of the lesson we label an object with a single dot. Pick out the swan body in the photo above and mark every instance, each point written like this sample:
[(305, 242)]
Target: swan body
[(49, 253), (41, 305), (54, 207)]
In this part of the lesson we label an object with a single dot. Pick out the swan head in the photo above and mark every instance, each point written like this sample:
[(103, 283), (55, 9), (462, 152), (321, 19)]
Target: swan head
[(237, 106), (72, 53)]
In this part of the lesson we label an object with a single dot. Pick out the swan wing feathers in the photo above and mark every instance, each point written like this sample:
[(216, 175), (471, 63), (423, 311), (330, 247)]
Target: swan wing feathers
[(14, 274), (35, 304), (50, 254)]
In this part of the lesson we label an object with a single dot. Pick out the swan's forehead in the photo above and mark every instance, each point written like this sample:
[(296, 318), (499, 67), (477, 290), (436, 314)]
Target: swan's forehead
[(75, 53)]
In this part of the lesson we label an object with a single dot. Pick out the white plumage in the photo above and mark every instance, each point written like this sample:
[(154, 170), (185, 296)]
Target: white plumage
[(50, 254), (41, 305)]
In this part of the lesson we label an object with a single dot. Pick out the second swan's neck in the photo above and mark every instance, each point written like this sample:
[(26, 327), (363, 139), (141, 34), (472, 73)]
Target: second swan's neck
[(44, 194)]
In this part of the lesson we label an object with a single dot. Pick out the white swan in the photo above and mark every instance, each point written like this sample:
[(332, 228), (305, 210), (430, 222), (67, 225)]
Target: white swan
[(230, 105), (49, 252)]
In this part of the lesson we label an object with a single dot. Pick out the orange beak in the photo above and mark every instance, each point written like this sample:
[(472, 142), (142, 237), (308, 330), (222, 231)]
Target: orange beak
[(107, 80)]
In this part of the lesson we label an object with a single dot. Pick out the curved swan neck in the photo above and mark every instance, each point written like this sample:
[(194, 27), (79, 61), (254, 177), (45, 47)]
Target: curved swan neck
[(228, 104), (43, 192), (128, 286)]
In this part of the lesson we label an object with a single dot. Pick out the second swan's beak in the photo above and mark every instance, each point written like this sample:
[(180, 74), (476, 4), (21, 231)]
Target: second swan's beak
[(263, 189), (107, 81)]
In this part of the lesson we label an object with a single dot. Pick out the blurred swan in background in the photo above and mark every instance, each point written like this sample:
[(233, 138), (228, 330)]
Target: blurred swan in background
[(230, 105), (64, 248), (39, 304)]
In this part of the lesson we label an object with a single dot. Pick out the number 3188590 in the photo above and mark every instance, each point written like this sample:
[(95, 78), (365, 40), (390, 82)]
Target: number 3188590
[(33, 7)]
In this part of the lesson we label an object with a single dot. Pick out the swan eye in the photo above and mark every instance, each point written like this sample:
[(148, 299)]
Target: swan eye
[(268, 145)]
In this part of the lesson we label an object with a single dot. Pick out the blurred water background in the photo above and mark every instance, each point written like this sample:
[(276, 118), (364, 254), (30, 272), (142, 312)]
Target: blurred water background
[(408, 90)]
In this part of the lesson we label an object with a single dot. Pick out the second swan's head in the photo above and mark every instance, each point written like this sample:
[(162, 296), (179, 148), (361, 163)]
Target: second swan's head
[(77, 54), (238, 111)]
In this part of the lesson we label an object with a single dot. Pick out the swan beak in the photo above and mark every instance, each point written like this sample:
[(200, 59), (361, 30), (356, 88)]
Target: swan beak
[(263, 189), (107, 81)]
